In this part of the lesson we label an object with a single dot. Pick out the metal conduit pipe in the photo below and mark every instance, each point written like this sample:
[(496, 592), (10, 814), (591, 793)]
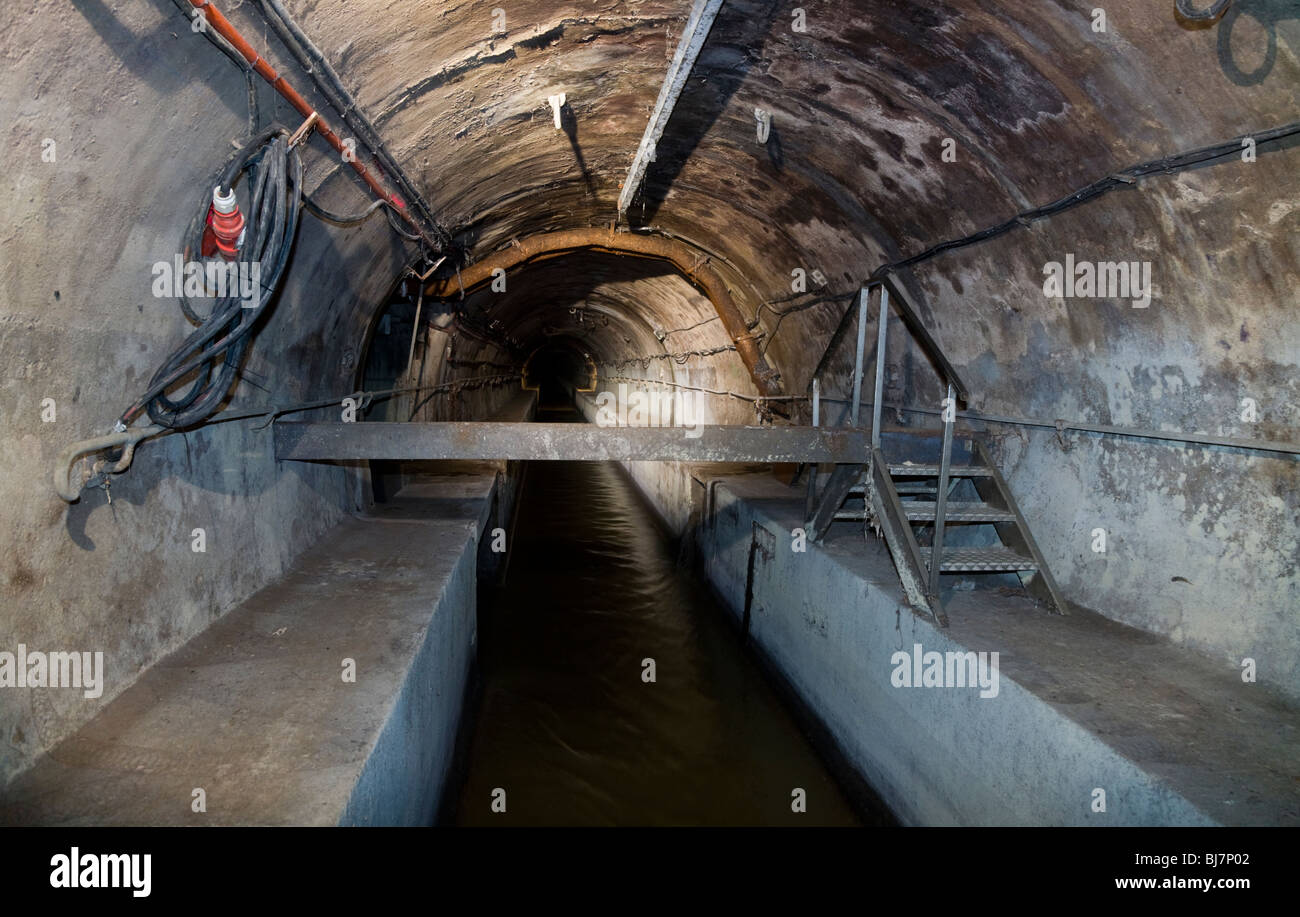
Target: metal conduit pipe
[(223, 27), (701, 274), (129, 439), (63, 484), (327, 80)]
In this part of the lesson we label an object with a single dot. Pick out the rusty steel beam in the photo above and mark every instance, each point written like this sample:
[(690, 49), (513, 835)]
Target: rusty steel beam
[(566, 442), (699, 271)]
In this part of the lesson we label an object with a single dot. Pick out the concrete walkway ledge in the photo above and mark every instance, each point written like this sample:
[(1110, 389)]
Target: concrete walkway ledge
[(1086, 711), (256, 713)]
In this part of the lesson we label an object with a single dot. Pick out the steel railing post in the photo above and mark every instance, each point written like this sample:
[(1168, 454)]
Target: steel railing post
[(941, 492), (857, 363), (811, 499), (879, 396)]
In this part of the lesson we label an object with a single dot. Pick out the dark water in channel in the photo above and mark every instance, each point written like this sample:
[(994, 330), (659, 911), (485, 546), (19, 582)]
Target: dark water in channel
[(568, 728)]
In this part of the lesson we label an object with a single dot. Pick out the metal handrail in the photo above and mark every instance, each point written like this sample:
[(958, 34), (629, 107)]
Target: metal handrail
[(947, 371), (886, 282), (954, 387)]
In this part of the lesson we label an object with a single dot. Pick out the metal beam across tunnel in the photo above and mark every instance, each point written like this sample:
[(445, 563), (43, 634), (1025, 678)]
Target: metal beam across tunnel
[(308, 441)]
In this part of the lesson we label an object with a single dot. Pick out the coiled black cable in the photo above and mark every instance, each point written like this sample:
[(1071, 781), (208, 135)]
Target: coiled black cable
[(211, 354)]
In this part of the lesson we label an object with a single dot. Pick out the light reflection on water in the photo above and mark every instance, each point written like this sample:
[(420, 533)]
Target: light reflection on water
[(567, 726)]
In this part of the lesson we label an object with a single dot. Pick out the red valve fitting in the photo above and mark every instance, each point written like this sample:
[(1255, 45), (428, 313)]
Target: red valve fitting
[(225, 230)]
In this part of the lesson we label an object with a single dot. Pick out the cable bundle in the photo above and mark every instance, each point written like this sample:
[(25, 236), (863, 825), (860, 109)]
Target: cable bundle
[(210, 356)]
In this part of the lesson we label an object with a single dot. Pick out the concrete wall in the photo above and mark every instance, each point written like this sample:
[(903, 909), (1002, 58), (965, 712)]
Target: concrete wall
[(142, 110), (406, 772), (332, 696), (80, 326), (1203, 542), (936, 757)]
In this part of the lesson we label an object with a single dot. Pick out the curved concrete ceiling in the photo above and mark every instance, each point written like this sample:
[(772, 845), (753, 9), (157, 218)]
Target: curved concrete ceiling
[(1037, 101)]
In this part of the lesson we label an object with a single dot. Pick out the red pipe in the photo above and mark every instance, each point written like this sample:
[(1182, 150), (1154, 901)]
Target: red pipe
[(267, 72)]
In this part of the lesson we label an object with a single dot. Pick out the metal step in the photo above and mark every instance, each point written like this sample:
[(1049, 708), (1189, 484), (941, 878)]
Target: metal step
[(981, 560), (859, 490), (908, 470), (850, 516), (901, 488), (923, 511)]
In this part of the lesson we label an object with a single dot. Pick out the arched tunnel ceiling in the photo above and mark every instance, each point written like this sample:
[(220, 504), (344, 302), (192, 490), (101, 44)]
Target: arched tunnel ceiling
[(143, 111), (861, 101), (617, 305), (1037, 102)]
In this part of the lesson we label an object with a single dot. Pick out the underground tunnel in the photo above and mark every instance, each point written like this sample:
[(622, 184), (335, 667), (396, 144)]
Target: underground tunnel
[(726, 412)]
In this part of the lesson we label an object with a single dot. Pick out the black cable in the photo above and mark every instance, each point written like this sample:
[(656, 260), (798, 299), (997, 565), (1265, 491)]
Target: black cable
[(254, 118), (210, 356), (783, 314), (321, 213), (254, 122), (460, 385), (414, 237), (680, 357), (190, 12), (328, 82), (711, 318), (212, 352), (1124, 179)]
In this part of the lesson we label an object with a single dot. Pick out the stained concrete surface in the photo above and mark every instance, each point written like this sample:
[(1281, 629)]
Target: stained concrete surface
[(142, 110), (1085, 702), (255, 710), (570, 728), (1231, 747)]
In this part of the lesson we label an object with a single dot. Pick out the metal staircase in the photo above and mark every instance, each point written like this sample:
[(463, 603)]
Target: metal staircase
[(918, 485)]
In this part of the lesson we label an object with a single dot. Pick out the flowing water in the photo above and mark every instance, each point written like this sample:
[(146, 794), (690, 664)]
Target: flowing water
[(569, 728)]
